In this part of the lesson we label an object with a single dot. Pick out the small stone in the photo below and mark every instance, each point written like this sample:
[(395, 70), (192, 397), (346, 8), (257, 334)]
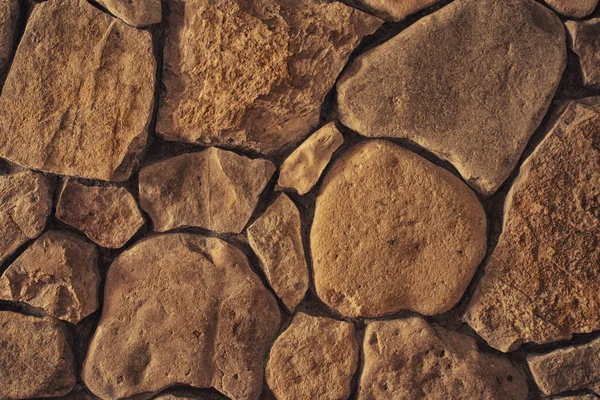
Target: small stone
[(584, 38), (392, 232), (303, 168), (135, 12), (573, 8), (83, 82), (395, 10), (57, 273), (36, 360), (9, 17), (276, 239), (107, 215), (315, 358), (213, 189), (410, 359), (181, 309)]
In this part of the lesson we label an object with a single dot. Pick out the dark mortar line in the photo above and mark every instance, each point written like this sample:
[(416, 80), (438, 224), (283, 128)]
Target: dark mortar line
[(359, 336)]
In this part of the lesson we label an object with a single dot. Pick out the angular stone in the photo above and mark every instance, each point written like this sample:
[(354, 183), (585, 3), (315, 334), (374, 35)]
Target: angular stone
[(276, 238), (410, 359), (79, 94), (181, 309), (261, 88), (584, 38), (9, 17), (378, 248), (542, 283), (315, 358), (36, 360), (107, 215), (470, 82), (573, 8), (303, 168), (213, 189), (135, 12), (394, 10), (25, 204)]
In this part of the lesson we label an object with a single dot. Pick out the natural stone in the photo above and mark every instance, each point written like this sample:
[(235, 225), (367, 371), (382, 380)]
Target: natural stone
[(108, 215), (584, 38), (315, 358), (573, 8), (392, 232), (78, 393), (83, 82), (303, 168), (541, 282), (470, 82), (36, 360), (181, 309), (213, 189), (394, 10), (57, 273), (135, 12), (9, 17), (260, 88), (577, 397), (410, 359)]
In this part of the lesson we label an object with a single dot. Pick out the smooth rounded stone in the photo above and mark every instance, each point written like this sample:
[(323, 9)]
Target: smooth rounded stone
[(107, 215), (181, 309), (410, 359), (57, 273), (573, 8), (135, 12), (303, 168), (584, 39), (394, 10), (83, 82), (25, 204), (213, 189), (36, 360), (470, 82), (260, 87), (315, 358), (542, 283), (9, 17), (392, 232)]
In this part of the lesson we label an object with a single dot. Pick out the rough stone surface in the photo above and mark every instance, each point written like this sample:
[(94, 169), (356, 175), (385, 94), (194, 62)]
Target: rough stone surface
[(470, 82), (9, 17), (36, 360), (573, 8), (542, 283), (78, 393), (259, 90), (394, 10), (107, 215), (377, 247), (135, 12), (410, 359), (584, 38), (303, 168), (315, 358), (83, 81), (181, 309), (214, 189)]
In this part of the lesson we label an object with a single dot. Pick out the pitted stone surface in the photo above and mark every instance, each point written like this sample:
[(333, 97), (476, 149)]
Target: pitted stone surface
[(584, 38), (9, 17), (135, 12), (573, 8)]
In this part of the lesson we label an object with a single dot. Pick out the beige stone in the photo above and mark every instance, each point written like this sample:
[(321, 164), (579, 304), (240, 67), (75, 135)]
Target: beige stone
[(214, 189), (395, 10), (584, 39), (9, 17), (573, 8), (410, 359), (470, 82), (83, 82), (135, 12), (107, 215), (181, 309), (253, 74), (315, 358), (303, 168), (392, 232)]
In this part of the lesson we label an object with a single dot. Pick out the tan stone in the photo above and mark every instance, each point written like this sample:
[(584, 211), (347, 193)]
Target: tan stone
[(470, 82), (542, 283), (135, 12), (392, 232), (83, 82), (584, 39), (315, 358), (395, 10), (253, 74), (181, 309), (107, 215), (573, 8), (214, 189), (303, 168), (9, 17), (35, 358), (410, 359)]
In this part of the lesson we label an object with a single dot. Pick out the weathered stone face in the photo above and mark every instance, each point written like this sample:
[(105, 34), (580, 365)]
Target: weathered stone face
[(135, 12), (573, 8), (395, 10), (9, 16), (584, 38)]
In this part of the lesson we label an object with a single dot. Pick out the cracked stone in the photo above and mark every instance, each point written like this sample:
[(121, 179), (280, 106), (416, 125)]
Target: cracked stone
[(135, 12), (9, 17), (394, 10), (573, 8), (584, 39)]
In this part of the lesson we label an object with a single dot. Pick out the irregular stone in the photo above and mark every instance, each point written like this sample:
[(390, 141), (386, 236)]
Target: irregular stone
[(378, 248), (25, 204), (542, 283), (214, 189), (573, 8), (584, 39), (107, 215), (394, 10), (83, 81), (181, 309), (9, 17), (315, 358), (470, 82), (578, 397), (276, 239), (259, 90), (303, 168), (78, 393), (410, 359), (135, 12), (36, 360)]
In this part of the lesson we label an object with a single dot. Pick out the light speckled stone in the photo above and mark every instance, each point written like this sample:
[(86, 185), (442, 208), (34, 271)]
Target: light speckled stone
[(135, 12), (573, 8), (584, 38), (9, 16)]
